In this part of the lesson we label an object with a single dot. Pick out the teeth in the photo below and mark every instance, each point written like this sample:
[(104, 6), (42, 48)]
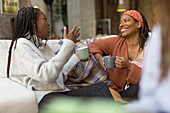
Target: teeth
[(123, 29)]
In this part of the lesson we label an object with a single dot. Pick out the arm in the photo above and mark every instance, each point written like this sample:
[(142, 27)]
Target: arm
[(101, 48), (70, 65), (100, 59), (37, 66)]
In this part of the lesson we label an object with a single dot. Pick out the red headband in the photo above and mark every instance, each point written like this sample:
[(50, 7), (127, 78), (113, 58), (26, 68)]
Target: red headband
[(134, 14)]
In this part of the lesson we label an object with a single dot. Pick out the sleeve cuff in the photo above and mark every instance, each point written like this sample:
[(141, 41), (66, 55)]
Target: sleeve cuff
[(70, 41), (69, 66)]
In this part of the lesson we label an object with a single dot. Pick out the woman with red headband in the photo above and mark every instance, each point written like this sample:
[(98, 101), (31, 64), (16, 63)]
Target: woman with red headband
[(129, 49)]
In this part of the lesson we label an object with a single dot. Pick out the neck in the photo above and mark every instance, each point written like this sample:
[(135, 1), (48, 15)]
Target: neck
[(133, 40)]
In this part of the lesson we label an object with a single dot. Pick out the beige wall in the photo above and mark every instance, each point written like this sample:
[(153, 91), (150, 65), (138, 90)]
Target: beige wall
[(82, 14)]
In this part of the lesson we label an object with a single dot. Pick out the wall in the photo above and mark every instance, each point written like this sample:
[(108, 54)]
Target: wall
[(107, 9), (82, 14), (147, 8), (5, 24)]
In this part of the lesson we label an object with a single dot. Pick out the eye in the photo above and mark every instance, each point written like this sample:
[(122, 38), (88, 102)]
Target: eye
[(126, 20), (45, 18)]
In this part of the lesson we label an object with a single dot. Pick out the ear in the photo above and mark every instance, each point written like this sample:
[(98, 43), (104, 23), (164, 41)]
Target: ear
[(139, 24), (33, 23)]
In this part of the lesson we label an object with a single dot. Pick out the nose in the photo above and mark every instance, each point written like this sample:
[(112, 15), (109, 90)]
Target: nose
[(121, 24)]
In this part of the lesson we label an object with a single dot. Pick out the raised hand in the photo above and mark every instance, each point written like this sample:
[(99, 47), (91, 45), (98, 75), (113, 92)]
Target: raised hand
[(72, 35)]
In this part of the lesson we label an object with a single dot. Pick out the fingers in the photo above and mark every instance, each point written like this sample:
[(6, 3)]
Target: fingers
[(102, 63), (120, 58), (77, 41), (77, 35), (104, 67), (77, 54), (74, 28), (65, 32), (118, 66), (77, 31)]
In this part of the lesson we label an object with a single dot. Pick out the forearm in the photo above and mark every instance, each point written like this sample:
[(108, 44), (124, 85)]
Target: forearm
[(98, 57), (130, 65), (70, 65)]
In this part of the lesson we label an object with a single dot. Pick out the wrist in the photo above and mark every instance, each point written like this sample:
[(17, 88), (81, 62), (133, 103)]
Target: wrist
[(130, 65)]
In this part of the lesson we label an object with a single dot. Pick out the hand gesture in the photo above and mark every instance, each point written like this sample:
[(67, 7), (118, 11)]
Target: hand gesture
[(122, 63), (72, 35)]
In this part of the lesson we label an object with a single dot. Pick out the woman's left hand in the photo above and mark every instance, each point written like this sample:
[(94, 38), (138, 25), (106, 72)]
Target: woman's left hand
[(73, 34), (123, 63)]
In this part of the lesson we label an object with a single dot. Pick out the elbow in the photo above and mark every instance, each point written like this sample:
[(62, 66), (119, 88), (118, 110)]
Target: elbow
[(50, 78), (46, 81), (48, 73)]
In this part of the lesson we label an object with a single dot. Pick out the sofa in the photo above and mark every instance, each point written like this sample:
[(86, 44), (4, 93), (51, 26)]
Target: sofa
[(14, 97)]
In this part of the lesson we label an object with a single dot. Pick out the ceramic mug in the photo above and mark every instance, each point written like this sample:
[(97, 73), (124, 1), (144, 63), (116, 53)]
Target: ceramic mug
[(109, 62), (83, 53)]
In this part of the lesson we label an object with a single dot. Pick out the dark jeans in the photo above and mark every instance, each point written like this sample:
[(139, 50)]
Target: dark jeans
[(131, 92), (99, 90)]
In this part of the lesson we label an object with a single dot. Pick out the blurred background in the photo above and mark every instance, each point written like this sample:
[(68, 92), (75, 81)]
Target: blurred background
[(95, 17)]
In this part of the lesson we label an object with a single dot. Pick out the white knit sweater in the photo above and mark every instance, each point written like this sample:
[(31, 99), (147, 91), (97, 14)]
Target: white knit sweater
[(39, 69)]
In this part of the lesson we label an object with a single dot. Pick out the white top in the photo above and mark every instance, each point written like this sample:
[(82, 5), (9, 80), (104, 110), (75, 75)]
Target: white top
[(39, 69), (154, 96)]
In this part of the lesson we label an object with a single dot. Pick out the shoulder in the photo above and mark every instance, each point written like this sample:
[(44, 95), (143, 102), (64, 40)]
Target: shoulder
[(23, 44), (115, 38), (111, 40), (23, 41)]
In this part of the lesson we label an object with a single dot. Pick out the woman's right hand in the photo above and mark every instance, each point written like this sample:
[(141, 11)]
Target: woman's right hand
[(72, 35)]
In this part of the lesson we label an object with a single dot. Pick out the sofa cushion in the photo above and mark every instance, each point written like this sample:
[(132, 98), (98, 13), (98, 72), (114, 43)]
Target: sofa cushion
[(4, 44), (15, 98)]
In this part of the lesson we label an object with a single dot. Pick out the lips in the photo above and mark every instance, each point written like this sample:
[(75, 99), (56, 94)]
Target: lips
[(123, 30)]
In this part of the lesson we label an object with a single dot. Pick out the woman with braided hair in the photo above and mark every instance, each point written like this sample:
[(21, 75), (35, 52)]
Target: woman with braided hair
[(129, 49), (34, 64)]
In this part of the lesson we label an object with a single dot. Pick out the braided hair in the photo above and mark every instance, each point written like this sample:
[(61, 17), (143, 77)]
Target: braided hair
[(143, 32), (23, 27)]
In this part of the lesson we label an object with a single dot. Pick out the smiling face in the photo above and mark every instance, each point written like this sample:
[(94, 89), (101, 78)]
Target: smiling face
[(128, 26), (43, 26)]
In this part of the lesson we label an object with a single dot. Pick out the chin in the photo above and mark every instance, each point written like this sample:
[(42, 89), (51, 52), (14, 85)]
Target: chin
[(124, 35)]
